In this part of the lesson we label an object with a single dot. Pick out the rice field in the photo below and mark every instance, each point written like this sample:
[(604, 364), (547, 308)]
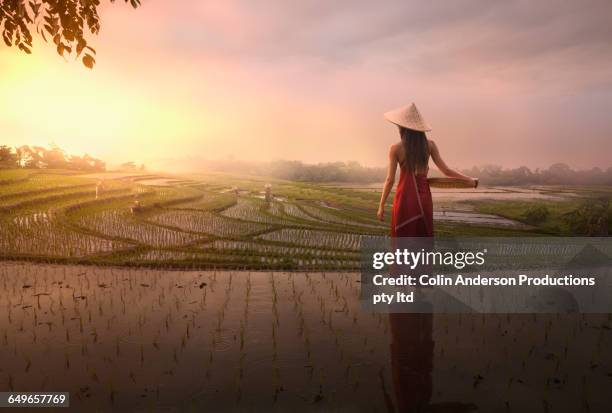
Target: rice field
[(149, 292), (311, 238), (147, 340), (119, 224), (167, 221), (216, 221)]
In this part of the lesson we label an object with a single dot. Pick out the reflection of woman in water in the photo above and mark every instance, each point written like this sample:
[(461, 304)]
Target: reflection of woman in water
[(411, 334)]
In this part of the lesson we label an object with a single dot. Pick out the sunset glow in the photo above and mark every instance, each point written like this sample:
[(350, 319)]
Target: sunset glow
[(260, 83)]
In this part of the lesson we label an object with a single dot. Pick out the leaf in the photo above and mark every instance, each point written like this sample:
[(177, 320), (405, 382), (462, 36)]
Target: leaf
[(35, 8), (24, 48), (68, 35), (89, 61), (81, 43)]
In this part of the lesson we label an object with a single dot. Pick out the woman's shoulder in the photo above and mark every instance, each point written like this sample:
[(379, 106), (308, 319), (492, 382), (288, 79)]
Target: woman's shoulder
[(397, 150), (395, 147), (431, 144)]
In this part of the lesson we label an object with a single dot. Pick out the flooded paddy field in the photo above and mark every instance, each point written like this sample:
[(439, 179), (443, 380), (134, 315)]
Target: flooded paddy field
[(471, 217), (203, 221), (151, 340), (509, 206), (264, 313)]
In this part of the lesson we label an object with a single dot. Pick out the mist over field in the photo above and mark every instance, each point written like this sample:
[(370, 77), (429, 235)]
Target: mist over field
[(350, 172)]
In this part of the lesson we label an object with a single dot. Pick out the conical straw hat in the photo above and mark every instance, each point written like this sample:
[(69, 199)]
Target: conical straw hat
[(408, 117)]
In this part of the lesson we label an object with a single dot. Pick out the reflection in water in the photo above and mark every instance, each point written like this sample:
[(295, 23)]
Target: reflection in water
[(145, 340), (411, 351), (412, 355)]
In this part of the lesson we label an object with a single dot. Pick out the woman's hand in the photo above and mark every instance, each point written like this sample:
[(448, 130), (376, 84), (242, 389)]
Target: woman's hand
[(381, 213)]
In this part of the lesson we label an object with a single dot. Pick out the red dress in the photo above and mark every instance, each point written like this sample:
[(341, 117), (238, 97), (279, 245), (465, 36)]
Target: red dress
[(412, 345), (412, 207)]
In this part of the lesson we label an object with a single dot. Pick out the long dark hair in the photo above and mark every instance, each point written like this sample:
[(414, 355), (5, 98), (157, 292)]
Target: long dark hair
[(416, 149)]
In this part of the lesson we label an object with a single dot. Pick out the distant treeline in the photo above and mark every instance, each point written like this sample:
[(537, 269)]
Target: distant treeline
[(350, 171), (324, 172), (37, 157), (556, 174)]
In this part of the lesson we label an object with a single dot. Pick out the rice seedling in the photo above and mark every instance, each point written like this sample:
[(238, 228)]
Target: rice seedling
[(207, 223), (120, 224), (311, 238)]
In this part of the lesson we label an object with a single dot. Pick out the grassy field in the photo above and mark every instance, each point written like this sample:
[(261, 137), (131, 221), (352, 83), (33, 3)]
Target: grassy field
[(221, 220), (579, 208)]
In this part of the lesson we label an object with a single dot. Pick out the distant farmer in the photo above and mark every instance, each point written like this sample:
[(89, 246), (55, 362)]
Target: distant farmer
[(99, 188), (268, 193), (136, 207)]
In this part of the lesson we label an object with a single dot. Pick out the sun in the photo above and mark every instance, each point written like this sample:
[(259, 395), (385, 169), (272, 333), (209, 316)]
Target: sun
[(45, 100)]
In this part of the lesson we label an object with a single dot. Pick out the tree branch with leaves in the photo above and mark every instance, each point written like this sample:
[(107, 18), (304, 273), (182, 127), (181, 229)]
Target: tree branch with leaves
[(64, 22)]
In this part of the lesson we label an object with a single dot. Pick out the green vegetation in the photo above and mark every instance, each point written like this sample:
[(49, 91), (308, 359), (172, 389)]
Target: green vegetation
[(592, 219), (536, 214), (587, 215), (223, 220), (556, 174)]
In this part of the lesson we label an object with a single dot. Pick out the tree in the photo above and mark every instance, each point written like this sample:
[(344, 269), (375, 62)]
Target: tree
[(8, 158), (27, 157), (54, 158), (65, 22), (85, 163)]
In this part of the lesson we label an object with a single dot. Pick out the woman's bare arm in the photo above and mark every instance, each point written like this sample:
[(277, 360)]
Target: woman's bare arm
[(389, 181), (444, 168)]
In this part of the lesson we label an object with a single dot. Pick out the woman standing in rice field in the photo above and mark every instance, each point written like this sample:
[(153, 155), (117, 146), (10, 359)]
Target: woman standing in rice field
[(412, 214), (411, 348)]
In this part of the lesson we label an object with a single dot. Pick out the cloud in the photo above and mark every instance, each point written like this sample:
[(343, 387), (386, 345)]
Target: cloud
[(501, 81), (468, 41)]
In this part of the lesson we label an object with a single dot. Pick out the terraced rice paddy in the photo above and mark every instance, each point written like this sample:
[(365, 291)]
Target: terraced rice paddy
[(201, 221), (62, 216), (186, 304), (311, 238), (118, 224), (147, 340), (475, 218)]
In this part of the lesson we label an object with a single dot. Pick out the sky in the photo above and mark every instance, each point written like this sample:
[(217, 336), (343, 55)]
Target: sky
[(511, 83)]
